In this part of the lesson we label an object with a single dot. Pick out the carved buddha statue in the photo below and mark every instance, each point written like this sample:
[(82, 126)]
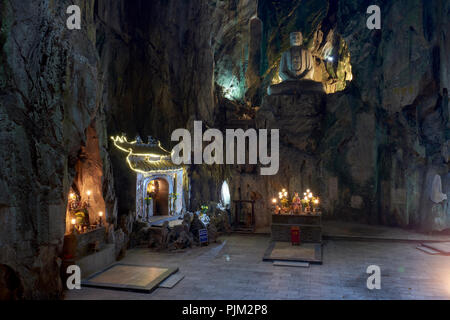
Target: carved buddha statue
[(296, 69), (297, 62)]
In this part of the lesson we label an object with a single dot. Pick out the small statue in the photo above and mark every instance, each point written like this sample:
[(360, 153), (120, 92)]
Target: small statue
[(152, 141), (296, 203), (436, 194)]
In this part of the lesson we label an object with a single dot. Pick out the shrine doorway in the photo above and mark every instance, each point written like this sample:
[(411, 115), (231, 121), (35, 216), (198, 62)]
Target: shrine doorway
[(158, 189)]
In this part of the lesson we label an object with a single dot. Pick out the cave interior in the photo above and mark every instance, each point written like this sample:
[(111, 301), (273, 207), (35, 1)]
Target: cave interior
[(373, 144)]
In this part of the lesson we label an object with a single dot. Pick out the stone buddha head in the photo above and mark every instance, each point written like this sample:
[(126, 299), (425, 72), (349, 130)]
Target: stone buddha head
[(296, 39)]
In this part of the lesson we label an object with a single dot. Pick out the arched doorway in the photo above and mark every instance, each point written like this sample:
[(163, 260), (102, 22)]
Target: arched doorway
[(158, 190)]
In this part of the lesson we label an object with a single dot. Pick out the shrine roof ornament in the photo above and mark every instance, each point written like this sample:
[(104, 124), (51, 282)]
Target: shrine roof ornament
[(145, 157)]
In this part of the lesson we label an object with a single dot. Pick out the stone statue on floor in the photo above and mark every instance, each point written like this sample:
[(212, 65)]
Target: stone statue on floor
[(436, 194), (296, 69)]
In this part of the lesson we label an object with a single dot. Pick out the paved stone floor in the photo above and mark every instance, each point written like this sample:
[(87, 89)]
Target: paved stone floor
[(233, 269)]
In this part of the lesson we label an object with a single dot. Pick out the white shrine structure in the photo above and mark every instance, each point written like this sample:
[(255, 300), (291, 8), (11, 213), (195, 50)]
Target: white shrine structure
[(160, 184)]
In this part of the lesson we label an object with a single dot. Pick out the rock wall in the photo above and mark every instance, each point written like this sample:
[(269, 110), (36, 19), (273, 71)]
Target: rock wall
[(384, 138), (49, 95)]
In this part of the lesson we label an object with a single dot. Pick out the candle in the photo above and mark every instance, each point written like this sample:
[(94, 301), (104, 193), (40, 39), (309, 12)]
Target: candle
[(100, 214)]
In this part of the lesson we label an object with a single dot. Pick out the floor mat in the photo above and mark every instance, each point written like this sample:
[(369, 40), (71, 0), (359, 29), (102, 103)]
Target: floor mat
[(285, 251), (129, 277), (442, 247)]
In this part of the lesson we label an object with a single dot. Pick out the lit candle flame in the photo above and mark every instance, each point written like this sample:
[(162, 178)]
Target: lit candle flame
[(74, 221), (100, 214)]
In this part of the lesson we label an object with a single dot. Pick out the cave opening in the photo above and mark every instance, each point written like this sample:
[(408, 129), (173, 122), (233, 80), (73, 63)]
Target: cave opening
[(86, 205)]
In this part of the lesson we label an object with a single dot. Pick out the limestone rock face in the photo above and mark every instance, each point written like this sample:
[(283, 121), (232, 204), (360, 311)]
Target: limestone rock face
[(49, 85), (298, 117)]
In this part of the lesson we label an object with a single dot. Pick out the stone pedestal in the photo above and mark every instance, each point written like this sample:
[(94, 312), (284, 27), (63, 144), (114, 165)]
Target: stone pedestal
[(79, 245), (310, 227), (292, 87)]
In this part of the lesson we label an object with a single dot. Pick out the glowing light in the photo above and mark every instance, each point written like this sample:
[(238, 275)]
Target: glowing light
[(100, 214), (232, 88), (150, 157), (72, 196), (310, 195), (88, 193), (308, 191), (330, 59), (274, 200), (226, 197), (74, 221), (316, 201)]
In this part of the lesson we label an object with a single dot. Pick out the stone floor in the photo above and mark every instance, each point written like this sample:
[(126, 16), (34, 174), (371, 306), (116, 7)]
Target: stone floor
[(233, 269)]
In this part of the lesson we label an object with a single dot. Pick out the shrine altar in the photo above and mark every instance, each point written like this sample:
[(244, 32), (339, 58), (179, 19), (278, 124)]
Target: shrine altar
[(310, 227)]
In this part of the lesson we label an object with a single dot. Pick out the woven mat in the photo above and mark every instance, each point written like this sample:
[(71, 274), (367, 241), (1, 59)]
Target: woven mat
[(129, 277), (285, 251)]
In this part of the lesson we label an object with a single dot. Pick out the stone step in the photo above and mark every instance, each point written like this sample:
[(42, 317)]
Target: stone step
[(172, 281), (291, 264), (427, 250), (442, 247)]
